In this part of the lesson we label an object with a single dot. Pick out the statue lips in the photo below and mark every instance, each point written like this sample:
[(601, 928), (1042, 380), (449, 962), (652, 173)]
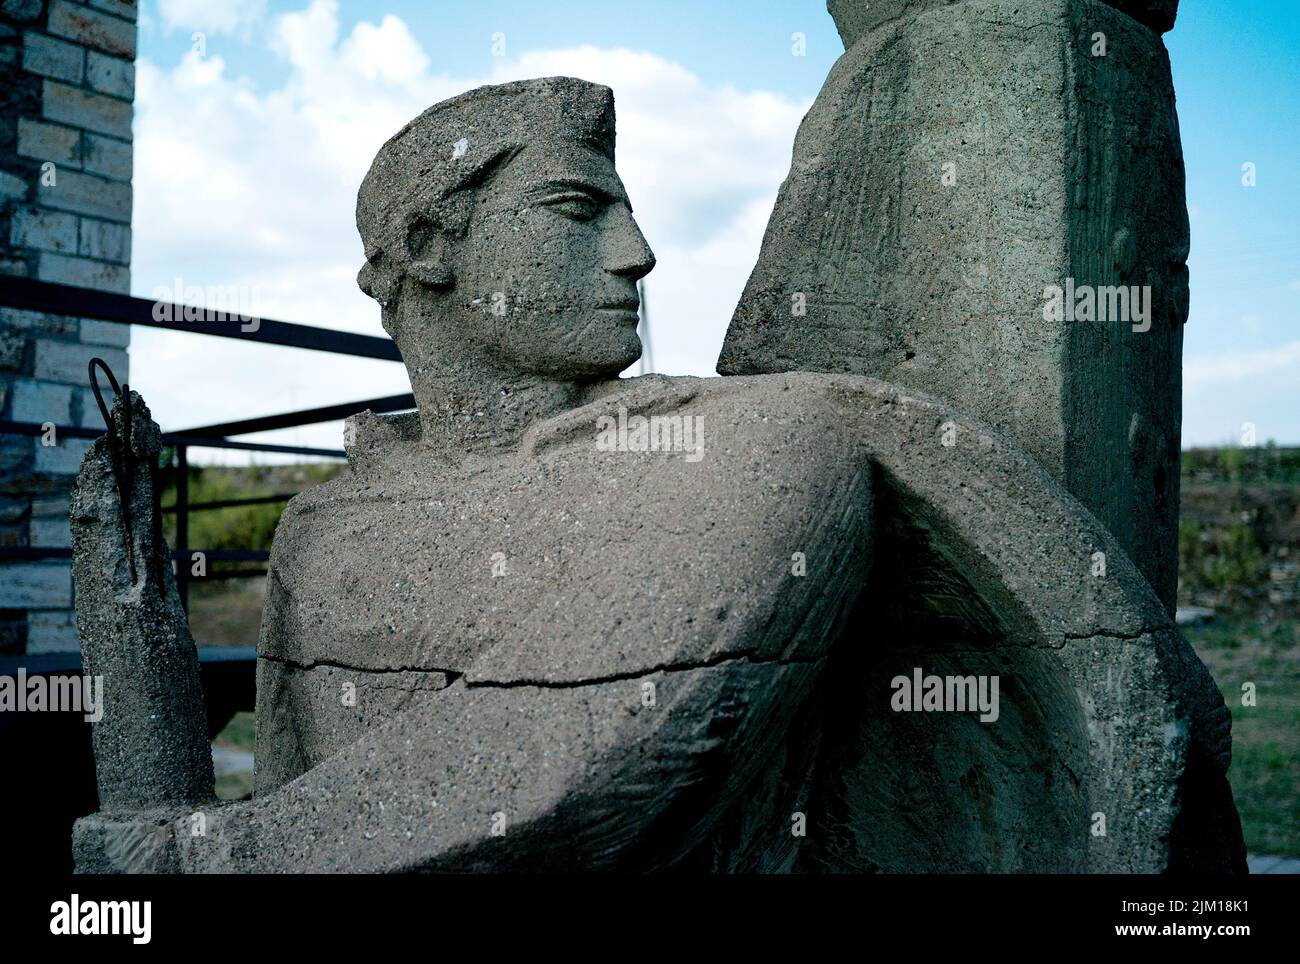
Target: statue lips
[(629, 308)]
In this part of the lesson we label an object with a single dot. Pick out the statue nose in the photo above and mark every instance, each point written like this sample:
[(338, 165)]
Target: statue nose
[(629, 255)]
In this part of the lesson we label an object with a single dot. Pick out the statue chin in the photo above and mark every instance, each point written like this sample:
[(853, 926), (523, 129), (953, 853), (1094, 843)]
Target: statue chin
[(605, 359)]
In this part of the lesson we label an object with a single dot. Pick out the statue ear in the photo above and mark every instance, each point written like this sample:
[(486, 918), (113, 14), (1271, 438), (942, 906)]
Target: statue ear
[(428, 253)]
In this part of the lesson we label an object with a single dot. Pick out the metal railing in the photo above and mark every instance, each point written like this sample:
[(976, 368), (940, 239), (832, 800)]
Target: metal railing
[(56, 299)]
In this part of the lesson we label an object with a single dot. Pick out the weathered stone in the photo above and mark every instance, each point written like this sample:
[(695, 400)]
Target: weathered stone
[(558, 621), (923, 224), (855, 18), (95, 332), (1061, 639), (133, 632)]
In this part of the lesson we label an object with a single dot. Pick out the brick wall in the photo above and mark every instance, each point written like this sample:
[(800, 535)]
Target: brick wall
[(67, 79)]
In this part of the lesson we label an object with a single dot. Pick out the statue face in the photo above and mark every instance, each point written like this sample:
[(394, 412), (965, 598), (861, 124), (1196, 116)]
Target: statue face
[(545, 277)]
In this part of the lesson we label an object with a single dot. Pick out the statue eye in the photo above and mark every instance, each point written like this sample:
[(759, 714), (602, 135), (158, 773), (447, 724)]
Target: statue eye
[(574, 205)]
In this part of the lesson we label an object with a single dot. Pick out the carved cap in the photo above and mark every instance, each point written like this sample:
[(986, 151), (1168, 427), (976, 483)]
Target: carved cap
[(423, 177), (853, 18)]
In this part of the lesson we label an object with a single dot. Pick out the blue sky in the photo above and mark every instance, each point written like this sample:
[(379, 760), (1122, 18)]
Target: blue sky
[(290, 99)]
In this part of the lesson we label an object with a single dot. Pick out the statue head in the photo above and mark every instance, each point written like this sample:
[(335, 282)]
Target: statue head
[(497, 232)]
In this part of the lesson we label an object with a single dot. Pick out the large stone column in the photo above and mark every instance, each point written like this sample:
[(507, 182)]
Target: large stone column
[(963, 162), (67, 80)]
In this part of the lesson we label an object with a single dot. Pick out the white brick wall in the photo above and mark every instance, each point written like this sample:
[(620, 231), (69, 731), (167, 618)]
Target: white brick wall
[(107, 156), (110, 75), (83, 108), (50, 530), (12, 187), (53, 58), (87, 194), (61, 459), (46, 230), (83, 273), (105, 332), (74, 63), (59, 361), (49, 142), (52, 631), (42, 402), (105, 241), (35, 585), (96, 30), (39, 323)]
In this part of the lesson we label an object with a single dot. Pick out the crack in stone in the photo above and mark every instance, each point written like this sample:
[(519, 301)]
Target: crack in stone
[(638, 674), (1145, 631), (453, 675)]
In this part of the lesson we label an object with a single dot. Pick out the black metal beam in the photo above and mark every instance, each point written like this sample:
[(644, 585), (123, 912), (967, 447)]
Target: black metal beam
[(198, 441), (58, 299), (48, 664), (182, 524), (171, 438), (37, 553), (309, 416), (234, 503)]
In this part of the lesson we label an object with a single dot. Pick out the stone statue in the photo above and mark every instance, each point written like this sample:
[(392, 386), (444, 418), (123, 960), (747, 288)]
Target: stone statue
[(556, 620)]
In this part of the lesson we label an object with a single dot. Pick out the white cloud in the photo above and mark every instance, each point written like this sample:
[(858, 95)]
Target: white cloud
[(221, 17), (1223, 392), (256, 189), (1242, 365)]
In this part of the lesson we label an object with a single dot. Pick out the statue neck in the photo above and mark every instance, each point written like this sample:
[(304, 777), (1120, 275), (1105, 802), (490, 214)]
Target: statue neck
[(469, 401), (484, 411)]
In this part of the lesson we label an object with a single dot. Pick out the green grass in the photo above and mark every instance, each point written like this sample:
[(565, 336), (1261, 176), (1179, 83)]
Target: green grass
[(1265, 772), (227, 612), (239, 732), (240, 527)]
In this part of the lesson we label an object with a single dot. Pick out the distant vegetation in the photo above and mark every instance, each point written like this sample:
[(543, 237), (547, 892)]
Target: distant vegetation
[(1268, 463), (242, 527), (1239, 530), (228, 612)]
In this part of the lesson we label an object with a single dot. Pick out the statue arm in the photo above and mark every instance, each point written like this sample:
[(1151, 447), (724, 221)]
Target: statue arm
[(629, 770)]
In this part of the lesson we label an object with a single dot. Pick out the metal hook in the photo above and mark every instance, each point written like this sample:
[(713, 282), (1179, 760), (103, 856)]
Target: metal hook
[(119, 448)]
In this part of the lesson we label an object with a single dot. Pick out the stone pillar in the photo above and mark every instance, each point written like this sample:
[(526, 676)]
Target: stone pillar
[(67, 80), (964, 159)]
